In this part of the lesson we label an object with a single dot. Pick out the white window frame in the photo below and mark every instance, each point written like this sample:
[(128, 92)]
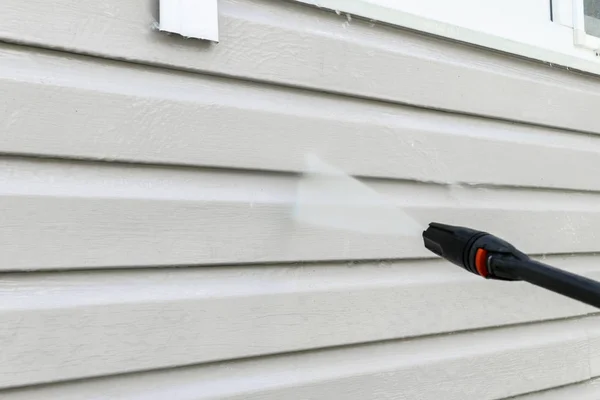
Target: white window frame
[(529, 30), (581, 37)]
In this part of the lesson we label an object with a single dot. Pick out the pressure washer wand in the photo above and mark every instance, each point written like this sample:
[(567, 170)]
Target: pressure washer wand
[(493, 258)]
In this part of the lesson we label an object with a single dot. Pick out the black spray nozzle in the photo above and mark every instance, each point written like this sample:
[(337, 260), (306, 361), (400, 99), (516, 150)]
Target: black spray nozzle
[(493, 258), (450, 242), (469, 248)]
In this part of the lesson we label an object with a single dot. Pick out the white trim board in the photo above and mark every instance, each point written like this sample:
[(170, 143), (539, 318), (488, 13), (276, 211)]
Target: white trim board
[(514, 26), (190, 18)]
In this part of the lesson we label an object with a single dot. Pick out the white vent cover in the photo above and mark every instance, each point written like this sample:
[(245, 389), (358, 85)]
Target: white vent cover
[(190, 18)]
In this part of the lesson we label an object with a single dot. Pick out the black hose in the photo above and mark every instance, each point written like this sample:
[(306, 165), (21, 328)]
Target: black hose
[(557, 280)]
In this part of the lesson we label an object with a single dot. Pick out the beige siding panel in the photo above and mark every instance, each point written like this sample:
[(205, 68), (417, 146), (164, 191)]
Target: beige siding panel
[(593, 331), (63, 107), (86, 215), (296, 45), (481, 365), (59, 326), (588, 390), (205, 144)]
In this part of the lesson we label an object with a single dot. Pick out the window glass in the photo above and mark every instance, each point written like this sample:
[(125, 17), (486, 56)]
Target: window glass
[(591, 10)]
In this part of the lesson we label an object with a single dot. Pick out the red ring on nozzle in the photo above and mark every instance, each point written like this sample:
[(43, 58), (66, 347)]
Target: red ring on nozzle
[(481, 262)]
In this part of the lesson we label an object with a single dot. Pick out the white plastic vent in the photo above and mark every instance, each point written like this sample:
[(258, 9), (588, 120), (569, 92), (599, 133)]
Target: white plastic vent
[(190, 18)]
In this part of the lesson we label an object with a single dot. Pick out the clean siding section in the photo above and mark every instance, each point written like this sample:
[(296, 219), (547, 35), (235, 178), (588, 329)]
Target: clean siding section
[(93, 215), (588, 390), (477, 365), (286, 43), (59, 326), (119, 112)]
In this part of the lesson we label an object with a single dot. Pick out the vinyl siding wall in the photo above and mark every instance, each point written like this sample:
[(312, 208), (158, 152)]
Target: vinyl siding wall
[(146, 183)]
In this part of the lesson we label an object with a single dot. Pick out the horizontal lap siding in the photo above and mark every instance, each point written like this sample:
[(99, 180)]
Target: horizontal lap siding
[(173, 177), (110, 215), (291, 44), (84, 108), (69, 325), (587, 390), (477, 365)]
